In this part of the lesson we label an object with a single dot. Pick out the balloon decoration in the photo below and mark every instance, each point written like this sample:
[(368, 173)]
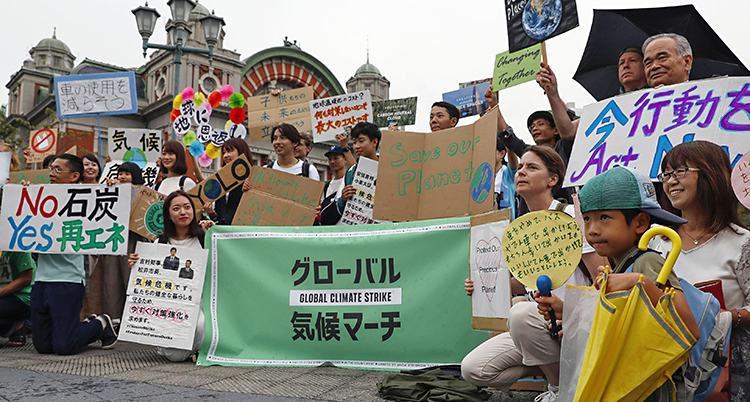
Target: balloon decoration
[(203, 141)]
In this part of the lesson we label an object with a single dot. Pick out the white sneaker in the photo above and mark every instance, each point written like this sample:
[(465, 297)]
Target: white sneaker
[(548, 396)]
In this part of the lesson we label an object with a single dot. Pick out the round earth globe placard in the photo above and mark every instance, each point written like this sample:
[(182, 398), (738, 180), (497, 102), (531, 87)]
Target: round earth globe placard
[(541, 18)]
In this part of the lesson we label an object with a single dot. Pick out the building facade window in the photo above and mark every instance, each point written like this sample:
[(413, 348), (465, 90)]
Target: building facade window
[(56, 61), (42, 59)]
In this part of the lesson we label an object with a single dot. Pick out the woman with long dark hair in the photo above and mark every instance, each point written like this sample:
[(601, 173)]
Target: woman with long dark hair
[(696, 177), (92, 170), (174, 160), (181, 228)]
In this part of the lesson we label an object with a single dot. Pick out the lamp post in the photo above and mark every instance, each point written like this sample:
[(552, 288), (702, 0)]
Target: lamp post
[(146, 17)]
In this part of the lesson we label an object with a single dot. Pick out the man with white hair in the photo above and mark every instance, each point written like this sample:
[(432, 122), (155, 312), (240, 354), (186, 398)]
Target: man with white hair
[(667, 58)]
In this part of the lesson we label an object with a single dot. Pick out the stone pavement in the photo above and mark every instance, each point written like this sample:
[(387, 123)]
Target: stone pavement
[(136, 372)]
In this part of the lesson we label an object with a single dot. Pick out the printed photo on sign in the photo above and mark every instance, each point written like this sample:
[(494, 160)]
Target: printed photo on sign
[(403, 112), (65, 218), (164, 295), (469, 101), (534, 21), (637, 129), (330, 116)]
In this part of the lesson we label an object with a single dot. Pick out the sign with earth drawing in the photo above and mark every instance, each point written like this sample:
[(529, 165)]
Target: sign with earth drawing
[(534, 21), (138, 145), (146, 212)]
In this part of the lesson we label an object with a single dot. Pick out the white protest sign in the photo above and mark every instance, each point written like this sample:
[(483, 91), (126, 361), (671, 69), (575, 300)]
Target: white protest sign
[(637, 129), (4, 167), (149, 172), (138, 145), (358, 210), (492, 294), (65, 218), (164, 296), (91, 94), (332, 115)]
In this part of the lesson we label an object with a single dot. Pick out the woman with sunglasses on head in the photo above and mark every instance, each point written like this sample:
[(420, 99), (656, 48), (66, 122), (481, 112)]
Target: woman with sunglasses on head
[(696, 177)]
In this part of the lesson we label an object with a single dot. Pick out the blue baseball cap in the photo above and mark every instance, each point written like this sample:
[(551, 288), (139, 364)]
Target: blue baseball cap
[(335, 149)]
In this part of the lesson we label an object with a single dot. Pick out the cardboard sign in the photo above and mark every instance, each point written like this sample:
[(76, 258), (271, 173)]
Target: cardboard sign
[(534, 21), (403, 112), (164, 296), (442, 174), (516, 68), (32, 176), (72, 151), (332, 115), (278, 199), (266, 111), (42, 143), (490, 302), (542, 243), (470, 100), (358, 210), (218, 184), (147, 212), (65, 218), (637, 129), (95, 94)]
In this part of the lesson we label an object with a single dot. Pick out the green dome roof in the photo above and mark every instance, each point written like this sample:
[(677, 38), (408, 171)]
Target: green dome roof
[(53, 43), (199, 11), (367, 69)]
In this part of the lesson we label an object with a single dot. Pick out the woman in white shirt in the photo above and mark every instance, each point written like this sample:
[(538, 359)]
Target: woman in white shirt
[(174, 160), (181, 228), (696, 177)]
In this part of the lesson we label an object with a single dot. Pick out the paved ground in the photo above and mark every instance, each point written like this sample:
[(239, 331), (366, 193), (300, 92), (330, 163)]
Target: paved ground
[(136, 372)]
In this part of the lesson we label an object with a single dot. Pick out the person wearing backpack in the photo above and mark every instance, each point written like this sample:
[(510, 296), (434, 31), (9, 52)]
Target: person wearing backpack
[(618, 206), (366, 137), (332, 191), (285, 138), (696, 177), (173, 159)]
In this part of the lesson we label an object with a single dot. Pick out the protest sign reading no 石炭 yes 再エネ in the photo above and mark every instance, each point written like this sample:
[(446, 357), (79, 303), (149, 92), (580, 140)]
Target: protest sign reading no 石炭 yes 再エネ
[(637, 129), (164, 296), (333, 115), (266, 111), (65, 218), (437, 175)]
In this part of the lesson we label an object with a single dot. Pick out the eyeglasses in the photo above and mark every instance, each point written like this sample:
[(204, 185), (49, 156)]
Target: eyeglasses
[(540, 125), (56, 170), (678, 174)]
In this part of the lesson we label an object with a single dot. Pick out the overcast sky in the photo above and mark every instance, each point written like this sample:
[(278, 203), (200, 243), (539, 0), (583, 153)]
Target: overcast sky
[(424, 48)]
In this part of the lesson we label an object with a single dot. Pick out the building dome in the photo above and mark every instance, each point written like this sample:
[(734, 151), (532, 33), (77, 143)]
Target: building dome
[(199, 11), (366, 70), (53, 43)]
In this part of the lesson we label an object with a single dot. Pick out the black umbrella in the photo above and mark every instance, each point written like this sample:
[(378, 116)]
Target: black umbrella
[(614, 30)]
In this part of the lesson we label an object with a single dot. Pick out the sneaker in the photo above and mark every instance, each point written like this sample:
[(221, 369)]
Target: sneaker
[(548, 396), (90, 318), (109, 335)]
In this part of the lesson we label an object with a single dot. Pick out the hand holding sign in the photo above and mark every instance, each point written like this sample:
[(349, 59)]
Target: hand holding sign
[(542, 243)]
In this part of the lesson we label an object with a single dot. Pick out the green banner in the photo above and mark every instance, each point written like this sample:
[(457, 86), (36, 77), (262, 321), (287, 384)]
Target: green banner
[(386, 296), (403, 112), (516, 68)]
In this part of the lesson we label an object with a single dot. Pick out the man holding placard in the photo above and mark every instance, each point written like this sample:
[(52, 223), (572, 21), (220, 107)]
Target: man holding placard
[(443, 115), (366, 137), (57, 295), (667, 58)]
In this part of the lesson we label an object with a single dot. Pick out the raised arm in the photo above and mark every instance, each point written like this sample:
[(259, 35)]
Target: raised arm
[(546, 79)]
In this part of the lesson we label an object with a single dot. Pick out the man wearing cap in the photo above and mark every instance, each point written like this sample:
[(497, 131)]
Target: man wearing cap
[(667, 59)]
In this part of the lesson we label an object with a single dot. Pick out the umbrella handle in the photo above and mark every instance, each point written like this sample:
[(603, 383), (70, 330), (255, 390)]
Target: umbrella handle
[(661, 280)]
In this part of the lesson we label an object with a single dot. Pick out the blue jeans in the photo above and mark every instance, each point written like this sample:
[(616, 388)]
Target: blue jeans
[(55, 309), (12, 310)]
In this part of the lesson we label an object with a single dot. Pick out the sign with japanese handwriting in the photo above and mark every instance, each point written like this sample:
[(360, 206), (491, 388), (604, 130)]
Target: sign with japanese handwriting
[(637, 129), (266, 111), (741, 180), (516, 68), (403, 112), (332, 115), (350, 295), (65, 218), (40, 176), (95, 94), (358, 210), (534, 21), (278, 199), (542, 243), (42, 144), (147, 212), (437, 175), (470, 100), (138, 145), (490, 302), (221, 182), (164, 296)]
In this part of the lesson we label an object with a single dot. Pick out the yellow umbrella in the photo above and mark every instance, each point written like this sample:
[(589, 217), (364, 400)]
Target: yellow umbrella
[(634, 346)]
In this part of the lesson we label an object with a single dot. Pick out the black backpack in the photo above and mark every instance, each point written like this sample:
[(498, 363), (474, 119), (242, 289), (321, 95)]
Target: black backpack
[(182, 184), (305, 168)]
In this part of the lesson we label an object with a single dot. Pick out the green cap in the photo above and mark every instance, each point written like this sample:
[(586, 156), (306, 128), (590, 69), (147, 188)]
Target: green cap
[(541, 114), (623, 188)]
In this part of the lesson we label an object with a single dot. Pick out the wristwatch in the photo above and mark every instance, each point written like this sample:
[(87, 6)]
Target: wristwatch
[(346, 149)]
